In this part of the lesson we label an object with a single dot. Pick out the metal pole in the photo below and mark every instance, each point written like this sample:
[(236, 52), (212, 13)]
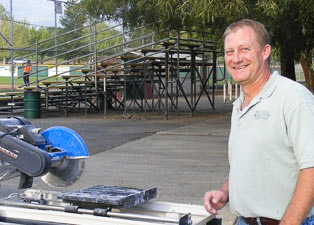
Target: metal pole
[(214, 76), (166, 82), (123, 27), (95, 55), (90, 33), (145, 88), (11, 52), (56, 39), (95, 74), (170, 80), (193, 83), (125, 91), (92, 212), (178, 69), (37, 65), (224, 91), (95, 70), (204, 69), (56, 33)]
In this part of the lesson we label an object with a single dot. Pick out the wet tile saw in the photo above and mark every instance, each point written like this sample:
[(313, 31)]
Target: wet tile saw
[(57, 154)]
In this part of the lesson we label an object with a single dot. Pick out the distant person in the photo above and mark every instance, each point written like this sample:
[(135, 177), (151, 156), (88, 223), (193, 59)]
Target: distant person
[(271, 142), (27, 70)]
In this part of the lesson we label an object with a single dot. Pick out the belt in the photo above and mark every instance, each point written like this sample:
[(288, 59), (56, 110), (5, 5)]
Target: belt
[(263, 220)]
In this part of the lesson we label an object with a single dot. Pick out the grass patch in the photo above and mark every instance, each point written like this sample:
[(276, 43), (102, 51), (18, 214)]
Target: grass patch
[(19, 81)]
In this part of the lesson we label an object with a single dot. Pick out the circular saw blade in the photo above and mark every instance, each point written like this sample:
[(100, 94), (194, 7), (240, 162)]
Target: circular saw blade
[(67, 171), (65, 174)]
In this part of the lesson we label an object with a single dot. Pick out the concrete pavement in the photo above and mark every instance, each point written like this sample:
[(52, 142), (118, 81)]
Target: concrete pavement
[(183, 157), (183, 163)]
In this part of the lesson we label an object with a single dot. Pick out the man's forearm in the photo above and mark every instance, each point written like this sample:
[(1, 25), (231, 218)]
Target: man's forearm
[(302, 200)]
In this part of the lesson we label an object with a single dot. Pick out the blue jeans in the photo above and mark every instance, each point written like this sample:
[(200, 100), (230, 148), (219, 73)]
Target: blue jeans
[(308, 221), (26, 78)]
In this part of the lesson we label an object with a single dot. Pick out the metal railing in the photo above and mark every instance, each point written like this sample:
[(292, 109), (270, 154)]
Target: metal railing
[(92, 44), (103, 46)]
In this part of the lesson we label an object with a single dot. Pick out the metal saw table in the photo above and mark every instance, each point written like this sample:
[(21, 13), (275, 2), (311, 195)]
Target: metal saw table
[(48, 207)]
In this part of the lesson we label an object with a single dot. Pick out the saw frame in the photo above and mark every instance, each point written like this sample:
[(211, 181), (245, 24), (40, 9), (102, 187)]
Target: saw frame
[(57, 154)]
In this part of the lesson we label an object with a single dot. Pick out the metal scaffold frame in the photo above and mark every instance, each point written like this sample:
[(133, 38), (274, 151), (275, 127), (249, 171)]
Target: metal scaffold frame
[(137, 69)]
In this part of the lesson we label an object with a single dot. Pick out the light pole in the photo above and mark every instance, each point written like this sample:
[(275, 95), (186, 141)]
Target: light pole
[(11, 49), (58, 10)]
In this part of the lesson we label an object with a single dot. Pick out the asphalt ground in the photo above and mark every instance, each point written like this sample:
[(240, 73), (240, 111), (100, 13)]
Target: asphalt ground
[(183, 157)]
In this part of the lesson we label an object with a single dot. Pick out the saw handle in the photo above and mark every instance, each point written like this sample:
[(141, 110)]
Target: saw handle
[(25, 181)]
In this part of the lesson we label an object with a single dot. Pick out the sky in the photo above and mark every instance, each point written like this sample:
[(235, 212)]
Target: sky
[(36, 12)]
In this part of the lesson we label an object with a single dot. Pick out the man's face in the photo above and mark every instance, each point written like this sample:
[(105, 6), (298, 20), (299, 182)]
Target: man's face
[(245, 59)]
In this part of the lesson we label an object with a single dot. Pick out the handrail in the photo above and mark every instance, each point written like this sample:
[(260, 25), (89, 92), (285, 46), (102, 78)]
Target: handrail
[(102, 45)]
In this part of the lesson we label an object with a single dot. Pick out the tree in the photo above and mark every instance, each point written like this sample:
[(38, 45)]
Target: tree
[(307, 44), (290, 22), (40, 36), (4, 30), (4, 15), (104, 34), (74, 18), (109, 10), (18, 28)]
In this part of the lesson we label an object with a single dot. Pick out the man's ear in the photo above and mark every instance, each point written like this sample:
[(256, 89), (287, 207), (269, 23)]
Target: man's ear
[(266, 51)]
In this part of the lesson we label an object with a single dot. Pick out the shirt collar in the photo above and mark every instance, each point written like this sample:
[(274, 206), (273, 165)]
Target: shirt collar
[(266, 92), (270, 86)]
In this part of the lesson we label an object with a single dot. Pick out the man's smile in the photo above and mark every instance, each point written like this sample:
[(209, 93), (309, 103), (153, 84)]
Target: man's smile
[(239, 67)]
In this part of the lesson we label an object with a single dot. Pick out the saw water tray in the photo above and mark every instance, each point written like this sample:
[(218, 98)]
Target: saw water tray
[(108, 196)]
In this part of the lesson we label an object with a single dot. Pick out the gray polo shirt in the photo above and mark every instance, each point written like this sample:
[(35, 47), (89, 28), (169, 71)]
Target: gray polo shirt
[(271, 140)]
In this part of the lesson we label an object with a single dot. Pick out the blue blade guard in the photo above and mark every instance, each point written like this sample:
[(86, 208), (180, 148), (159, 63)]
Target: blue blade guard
[(67, 140)]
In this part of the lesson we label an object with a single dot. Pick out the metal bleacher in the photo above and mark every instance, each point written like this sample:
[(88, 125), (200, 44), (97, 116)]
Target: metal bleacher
[(124, 70)]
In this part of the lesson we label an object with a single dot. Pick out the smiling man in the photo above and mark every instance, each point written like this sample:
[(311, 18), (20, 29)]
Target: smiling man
[(271, 144)]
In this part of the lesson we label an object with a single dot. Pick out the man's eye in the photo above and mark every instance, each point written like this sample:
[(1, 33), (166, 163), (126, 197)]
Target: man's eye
[(245, 49), (228, 52)]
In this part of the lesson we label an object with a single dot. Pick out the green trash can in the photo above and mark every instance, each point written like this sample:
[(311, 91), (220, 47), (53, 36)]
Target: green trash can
[(101, 102), (31, 104)]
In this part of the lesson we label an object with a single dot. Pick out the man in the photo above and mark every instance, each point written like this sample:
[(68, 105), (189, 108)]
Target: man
[(271, 142), (27, 70)]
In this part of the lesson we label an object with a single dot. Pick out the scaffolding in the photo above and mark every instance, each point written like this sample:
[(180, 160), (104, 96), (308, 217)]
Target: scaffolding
[(125, 70)]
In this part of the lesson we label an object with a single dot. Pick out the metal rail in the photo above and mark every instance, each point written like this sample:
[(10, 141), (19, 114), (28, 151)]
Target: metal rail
[(185, 220), (167, 82)]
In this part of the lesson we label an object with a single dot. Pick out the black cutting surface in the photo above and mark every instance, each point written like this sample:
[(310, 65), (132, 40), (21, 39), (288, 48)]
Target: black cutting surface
[(109, 196)]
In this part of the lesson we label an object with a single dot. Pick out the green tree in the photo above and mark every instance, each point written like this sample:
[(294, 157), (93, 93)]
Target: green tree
[(105, 34), (105, 10), (74, 18), (290, 22), (18, 29), (43, 37), (4, 30), (306, 52), (3, 13)]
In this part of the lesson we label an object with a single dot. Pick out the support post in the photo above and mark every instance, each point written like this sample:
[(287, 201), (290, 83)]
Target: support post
[(178, 70), (36, 65), (145, 88), (193, 81), (214, 76), (56, 39), (95, 53), (12, 47), (166, 82)]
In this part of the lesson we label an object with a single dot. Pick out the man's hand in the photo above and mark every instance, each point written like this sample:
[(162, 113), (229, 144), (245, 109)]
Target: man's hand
[(215, 200)]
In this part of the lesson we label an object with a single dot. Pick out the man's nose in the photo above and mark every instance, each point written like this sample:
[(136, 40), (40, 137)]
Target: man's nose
[(237, 57)]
